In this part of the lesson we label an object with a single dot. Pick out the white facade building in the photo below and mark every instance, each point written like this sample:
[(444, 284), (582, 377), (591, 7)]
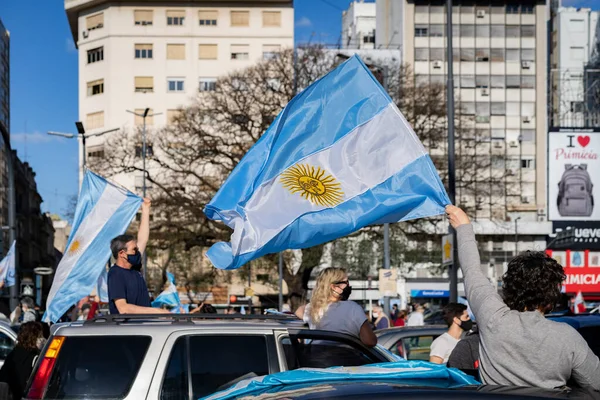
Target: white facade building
[(574, 37), (358, 26), (390, 24), (158, 54)]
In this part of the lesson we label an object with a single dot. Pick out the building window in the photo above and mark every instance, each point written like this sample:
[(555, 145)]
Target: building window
[(577, 53), (527, 9), (175, 84), (437, 54), (497, 55), (467, 55), (95, 55), (513, 81), (513, 31), (467, 81), (207, 84), (421, 31), (527, 55), (207, 52), (139, 121), (172, 115), (144, 84), (422, 54), (498, 31), (467, 30), (482, 81), (512, 9), (175, 17), (175, 51), (527, 30), (271, 51), (94, 22), (527, 163), (149, 153), (94, 120), (207, 17), (240, 52), (467, 108), (143, 51), (528, 81), (143, 17), (498, 108), (369, 37), (95, 87), (95, 152), (512, 55), (240, 18), (436, 30), (271, 19), (482, 55), (577, 107), (497, 81), (482, 31)]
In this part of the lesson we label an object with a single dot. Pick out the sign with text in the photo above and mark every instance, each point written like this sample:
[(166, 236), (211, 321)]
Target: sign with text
[(447, 249), (582, 269), (388, 282), (574, 175)]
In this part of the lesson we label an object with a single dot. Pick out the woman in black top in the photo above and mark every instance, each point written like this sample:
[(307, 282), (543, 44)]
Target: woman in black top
[(19, 363)]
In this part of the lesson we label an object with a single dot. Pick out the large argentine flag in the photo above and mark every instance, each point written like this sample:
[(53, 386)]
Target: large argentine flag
[(340, 156), (7, 267), (103, 212)]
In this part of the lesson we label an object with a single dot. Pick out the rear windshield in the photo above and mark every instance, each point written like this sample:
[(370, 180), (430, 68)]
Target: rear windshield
[(97, 367)]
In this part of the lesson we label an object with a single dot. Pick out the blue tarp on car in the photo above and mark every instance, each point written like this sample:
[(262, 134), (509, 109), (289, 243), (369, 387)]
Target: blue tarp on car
[(409, 372)]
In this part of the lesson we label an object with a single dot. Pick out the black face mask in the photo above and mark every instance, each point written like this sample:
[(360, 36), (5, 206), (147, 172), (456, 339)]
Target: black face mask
[(135, 260), (345, 295), (466, 325)]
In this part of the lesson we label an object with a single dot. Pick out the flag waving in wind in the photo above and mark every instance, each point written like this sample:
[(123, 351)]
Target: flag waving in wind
[(103, 212), (340, 156), (7, 267), (170, 297)]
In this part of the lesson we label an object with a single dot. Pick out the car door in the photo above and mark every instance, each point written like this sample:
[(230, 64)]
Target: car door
[(7, 343), (305, 348)]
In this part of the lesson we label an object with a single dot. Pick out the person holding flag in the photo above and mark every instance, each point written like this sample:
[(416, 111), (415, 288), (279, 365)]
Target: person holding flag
[(127, 289), (7, 268)]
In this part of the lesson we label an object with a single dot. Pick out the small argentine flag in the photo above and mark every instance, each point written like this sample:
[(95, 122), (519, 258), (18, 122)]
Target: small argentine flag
[(7, 267), (103, 212), (169, 297), (340, 156)]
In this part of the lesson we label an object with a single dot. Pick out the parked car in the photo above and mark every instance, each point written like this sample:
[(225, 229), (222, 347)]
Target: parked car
[(182, 356), (588, 326), (434, 318), (410, 342), (8, 339)]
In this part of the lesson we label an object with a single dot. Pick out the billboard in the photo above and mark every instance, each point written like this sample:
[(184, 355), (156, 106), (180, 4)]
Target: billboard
[(582, 269), (574, 174)]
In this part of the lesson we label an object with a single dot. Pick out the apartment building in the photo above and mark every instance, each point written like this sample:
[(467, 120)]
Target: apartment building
[(358, 26), (161, 54), (575, 35)]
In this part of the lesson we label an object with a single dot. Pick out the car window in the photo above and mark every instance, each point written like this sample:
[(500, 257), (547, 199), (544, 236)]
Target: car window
[(417, 347), (591, 334), (175, 382), (6, 345), (94, 367), (309, 353), (216, 362)]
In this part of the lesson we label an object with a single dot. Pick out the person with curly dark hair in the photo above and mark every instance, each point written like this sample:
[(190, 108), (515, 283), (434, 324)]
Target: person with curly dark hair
[(19, 363), (519, 345)]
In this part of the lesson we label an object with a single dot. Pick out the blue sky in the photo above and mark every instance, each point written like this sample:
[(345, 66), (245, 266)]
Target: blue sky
[(44, 83)]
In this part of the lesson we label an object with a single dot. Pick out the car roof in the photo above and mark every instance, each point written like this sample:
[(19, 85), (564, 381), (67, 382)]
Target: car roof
[(577, 321)]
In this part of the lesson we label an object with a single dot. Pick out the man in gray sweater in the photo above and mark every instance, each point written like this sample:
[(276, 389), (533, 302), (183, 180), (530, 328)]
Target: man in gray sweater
[(519, 346)]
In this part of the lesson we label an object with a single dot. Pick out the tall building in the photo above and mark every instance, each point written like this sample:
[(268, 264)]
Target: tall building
[(4, 132), (575, 35), (390, 24), (160, 54), (358, 26)]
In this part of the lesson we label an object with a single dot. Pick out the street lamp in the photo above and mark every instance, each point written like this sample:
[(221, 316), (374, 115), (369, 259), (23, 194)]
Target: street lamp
[(144, 115), (81, 133), (517, 236)]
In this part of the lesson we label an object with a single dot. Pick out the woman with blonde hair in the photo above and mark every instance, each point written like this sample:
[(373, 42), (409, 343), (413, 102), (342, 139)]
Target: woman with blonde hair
[(329, 309)]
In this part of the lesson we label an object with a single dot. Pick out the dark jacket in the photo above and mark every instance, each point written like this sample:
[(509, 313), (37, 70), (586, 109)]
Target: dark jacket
[(17, 368), (465, 355)]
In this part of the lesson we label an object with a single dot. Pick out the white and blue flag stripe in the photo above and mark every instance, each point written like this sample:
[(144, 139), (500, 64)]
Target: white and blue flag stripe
[(103, 212), (7, 267), (339, 157), (168, 297)]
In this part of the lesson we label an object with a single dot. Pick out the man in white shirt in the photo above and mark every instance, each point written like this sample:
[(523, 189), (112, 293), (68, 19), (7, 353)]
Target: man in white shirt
[(416, 317), (458, 321)]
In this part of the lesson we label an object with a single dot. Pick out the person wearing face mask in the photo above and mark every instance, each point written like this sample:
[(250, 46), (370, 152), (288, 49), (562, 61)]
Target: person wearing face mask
[(458, 321), (381, 320), (330, 310), (127, 289), (19, 362)]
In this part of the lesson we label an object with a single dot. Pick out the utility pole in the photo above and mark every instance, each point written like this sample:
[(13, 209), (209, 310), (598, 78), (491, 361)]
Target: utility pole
[(452, 269), (280, 282), (517, 236)]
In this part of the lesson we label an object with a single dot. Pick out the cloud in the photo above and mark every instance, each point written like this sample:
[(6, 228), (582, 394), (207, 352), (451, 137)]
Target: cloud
[(303, 22), (70, 45), (31, 138)]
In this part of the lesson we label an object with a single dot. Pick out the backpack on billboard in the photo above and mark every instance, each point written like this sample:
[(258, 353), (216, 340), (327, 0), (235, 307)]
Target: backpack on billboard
[(575, 197)]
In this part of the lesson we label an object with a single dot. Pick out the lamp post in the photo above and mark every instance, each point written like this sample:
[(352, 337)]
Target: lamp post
[(517, 236), (81, 134), (143, 116)]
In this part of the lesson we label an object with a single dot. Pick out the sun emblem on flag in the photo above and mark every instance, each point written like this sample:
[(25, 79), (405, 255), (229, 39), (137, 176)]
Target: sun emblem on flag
[(314, 184), (75, 247)]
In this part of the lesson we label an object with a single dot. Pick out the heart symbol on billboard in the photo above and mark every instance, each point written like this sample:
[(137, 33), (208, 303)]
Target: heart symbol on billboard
[(583, 140)]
